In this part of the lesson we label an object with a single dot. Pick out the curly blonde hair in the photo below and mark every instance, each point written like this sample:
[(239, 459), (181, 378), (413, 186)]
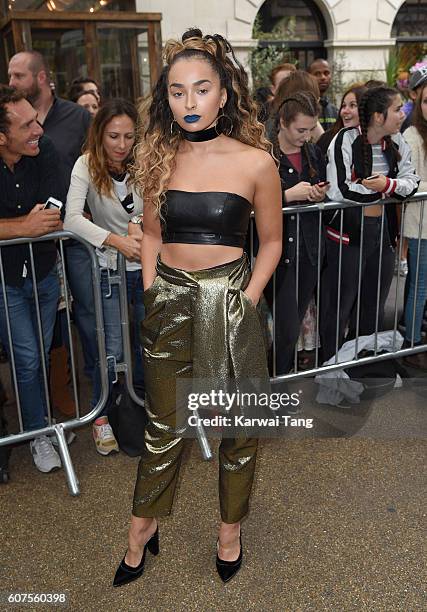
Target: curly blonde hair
[(158, 144)]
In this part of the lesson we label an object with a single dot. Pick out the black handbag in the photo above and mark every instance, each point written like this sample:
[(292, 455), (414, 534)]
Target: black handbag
[(128, 420)]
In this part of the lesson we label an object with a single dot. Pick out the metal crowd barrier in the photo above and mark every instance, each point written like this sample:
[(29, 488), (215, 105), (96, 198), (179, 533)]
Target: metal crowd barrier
[(321, 208), (59, 430), (52, 428)]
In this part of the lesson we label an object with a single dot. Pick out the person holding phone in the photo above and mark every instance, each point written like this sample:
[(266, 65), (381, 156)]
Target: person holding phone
[(302, 172), (366, 164), (28, 177), (102, 176)]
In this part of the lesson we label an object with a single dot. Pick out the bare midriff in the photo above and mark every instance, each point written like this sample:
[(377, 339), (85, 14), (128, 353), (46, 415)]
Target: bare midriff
[(192, 257), (373, 211)]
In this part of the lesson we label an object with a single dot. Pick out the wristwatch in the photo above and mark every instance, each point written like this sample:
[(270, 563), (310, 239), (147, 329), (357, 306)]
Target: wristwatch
[(137, 219)]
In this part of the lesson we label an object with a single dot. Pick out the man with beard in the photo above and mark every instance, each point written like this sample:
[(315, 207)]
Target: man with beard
[(321, 71), (66, 124)]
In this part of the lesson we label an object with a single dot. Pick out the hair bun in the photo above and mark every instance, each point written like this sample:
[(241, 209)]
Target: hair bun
[(192, 33)]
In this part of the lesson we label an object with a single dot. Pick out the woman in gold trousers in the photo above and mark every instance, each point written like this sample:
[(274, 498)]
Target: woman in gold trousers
[(178, 343), (202, 165)]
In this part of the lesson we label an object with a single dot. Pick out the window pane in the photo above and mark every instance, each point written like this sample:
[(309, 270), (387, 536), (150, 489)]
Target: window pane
[(123, 54), (411, 19), (65, 52), (291, 20)]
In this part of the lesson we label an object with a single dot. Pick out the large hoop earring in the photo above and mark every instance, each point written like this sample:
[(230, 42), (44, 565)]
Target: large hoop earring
[(224, 116), (171, 126)]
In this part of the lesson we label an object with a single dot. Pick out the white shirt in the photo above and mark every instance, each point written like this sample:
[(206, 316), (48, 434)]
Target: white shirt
[(107, 212)]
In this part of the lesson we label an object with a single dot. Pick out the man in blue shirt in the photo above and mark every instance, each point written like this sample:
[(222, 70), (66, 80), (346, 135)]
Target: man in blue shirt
[(28, 177)]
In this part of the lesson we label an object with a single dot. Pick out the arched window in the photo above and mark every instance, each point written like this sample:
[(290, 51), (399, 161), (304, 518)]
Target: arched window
[(410, 21), (409, 29), (298, 24)]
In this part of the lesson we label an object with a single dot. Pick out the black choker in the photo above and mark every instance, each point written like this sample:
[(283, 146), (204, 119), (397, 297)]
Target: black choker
[(201, 135)]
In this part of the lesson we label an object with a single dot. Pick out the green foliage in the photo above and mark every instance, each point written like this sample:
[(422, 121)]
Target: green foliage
[(262, 59), (338, 85), (285, 29), (395, 64)]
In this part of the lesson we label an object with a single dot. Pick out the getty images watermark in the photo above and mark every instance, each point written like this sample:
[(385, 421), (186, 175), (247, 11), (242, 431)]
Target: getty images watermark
[(253, 413), (321, 407)]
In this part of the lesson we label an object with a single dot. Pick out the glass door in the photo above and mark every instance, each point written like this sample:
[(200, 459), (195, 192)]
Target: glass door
[(65, 51), (120, 50), (124, 64)]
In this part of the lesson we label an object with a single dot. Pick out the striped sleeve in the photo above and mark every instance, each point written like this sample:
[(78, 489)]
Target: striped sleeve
[(406, 182), (339, 171)]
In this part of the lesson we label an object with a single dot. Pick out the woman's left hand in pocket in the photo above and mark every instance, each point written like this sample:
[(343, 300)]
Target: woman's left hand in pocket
[(254, 298)]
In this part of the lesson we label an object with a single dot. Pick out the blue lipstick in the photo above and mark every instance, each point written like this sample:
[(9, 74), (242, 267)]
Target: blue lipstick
[(191, 118)]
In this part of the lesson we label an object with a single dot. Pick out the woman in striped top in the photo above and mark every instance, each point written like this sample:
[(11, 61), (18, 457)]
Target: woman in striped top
[(365, 165)]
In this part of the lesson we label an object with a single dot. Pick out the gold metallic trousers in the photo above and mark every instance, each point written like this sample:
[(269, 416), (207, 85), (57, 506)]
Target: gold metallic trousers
[(201, 325)]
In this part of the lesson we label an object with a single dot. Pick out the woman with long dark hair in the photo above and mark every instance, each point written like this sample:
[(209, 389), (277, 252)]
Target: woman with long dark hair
[(348, 116), (298, 81), (302, 172), (366, 164), (202, 165), (102, 176)]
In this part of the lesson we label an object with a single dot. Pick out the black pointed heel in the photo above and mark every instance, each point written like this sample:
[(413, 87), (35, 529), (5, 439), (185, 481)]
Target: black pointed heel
[(228, 569), (126, 573), (153, 543)]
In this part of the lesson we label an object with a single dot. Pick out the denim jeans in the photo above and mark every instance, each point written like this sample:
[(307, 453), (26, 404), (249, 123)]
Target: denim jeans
[(79, 276), (25, 340), (113, 330), (421, 288)]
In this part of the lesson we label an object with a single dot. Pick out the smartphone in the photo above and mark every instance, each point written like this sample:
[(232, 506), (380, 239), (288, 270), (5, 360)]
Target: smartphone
[(374, 176), (52, 203), (323, 184)]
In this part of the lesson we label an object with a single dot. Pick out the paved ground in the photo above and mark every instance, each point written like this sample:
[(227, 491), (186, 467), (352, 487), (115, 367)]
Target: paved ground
[(337, 523)]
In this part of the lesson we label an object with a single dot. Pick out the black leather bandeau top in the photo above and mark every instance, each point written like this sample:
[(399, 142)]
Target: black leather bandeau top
[(206, 217)]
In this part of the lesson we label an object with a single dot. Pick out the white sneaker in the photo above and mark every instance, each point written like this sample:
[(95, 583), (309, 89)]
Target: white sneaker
[(45, 456), (403, 267), (104, 438)]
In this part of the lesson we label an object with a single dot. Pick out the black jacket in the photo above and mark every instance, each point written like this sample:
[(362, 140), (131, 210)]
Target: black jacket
[(328, 113), (344, 171), (309, 222), (67, 125)]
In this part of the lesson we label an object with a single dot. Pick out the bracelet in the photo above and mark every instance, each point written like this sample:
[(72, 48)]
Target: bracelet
[(137, 219)]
